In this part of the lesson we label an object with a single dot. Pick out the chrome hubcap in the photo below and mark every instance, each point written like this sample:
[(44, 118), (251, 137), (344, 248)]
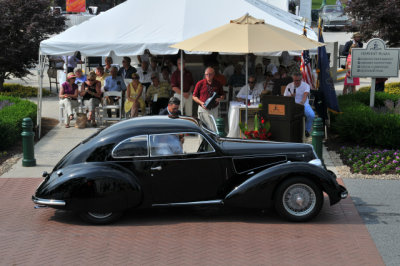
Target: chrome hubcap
[(299, 199), (100, 215)]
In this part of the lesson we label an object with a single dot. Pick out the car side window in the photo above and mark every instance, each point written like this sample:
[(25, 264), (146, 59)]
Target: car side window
[(132, 147), (178, 144)]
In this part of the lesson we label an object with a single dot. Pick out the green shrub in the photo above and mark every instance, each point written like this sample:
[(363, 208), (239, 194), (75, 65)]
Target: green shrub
[(11, 120), (360, 124), (21, 91), (391, 88)]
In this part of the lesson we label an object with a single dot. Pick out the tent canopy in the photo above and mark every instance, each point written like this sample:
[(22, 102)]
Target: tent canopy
[(136, 25)]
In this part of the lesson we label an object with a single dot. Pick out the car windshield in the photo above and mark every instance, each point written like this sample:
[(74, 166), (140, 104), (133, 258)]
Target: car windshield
[(332, 9)]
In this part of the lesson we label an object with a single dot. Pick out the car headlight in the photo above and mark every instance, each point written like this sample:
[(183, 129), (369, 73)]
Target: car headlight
[(316, 162)]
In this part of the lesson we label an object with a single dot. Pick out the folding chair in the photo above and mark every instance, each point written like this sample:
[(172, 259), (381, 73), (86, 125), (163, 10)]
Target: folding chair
[(117, 106)]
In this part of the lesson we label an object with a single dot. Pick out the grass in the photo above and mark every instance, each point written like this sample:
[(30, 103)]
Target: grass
[(316, 4)]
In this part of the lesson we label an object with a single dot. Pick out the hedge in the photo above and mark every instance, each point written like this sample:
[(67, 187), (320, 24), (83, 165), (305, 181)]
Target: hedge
[(21, 91), (391, 88), (360, 124), (11, 119)]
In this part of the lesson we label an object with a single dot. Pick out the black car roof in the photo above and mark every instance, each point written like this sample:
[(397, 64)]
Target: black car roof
[(151, 125)]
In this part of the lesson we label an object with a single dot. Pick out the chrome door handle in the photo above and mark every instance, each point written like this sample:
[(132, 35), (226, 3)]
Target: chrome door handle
[(158, 168)]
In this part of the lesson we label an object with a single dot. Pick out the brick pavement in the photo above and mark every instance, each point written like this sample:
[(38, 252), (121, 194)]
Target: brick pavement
[(187, 236)]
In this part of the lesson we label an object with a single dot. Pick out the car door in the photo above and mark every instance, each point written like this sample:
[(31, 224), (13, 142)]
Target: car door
[(186, 171)]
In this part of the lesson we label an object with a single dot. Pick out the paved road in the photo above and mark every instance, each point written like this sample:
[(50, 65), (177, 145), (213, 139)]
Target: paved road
[(377, 202), (180, 236)]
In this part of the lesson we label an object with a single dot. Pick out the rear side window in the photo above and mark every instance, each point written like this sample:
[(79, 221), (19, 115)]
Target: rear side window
[(132, 147)]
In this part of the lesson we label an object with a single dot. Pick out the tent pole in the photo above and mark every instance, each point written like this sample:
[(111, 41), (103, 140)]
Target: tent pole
[(39, 101), (247, 83), (182, 81)]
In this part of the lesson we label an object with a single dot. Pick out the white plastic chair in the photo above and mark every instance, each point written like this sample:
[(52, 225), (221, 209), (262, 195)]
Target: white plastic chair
[(116, 106)]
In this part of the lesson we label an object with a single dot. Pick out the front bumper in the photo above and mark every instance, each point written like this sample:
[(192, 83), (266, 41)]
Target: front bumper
[(343, 192), (48, 202)]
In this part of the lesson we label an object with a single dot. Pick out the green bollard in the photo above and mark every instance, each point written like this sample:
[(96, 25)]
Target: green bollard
[(220, 127), (317, 136), (27, 143)]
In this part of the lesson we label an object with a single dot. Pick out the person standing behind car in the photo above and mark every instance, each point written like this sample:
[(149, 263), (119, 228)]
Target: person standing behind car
[(301, 91), (188, 85), (205, 88)]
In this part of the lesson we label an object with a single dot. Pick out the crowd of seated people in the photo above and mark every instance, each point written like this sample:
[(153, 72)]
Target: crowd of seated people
[(154, 81)]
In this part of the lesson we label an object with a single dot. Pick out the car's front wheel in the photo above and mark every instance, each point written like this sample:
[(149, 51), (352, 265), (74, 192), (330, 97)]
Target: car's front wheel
[(100, 218), (298, 199)]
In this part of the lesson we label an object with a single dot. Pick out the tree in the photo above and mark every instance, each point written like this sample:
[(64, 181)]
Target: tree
[(380, 19), (23, 25)]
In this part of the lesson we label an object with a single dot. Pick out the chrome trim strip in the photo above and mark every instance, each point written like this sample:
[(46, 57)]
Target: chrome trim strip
[(193, 203), (49, 202)]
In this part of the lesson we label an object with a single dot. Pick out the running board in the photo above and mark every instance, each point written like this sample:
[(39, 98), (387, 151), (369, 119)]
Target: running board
[(193, 203)]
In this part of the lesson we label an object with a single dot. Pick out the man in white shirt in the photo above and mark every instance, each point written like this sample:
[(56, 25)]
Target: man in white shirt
[(254, 88), (144, 73), (268, 66), (300, 91)]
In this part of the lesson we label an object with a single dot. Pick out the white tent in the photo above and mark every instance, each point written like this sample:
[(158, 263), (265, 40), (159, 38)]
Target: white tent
[(136, 25)]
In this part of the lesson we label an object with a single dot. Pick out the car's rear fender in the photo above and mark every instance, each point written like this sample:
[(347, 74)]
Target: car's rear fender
[(258, 190), (93, 187)]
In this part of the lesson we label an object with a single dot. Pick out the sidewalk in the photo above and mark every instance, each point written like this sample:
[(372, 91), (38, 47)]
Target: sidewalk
[(53, 146)]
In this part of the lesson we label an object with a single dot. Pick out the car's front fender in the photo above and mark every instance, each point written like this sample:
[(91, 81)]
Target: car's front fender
[(97, 187), (258, 190)]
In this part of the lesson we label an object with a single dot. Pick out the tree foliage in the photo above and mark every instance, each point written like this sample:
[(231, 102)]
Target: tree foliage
[(380, 19), (23, 25)]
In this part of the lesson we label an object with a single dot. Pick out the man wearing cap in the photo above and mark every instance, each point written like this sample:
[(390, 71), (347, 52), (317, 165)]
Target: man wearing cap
[(356, 40), (172, 108)]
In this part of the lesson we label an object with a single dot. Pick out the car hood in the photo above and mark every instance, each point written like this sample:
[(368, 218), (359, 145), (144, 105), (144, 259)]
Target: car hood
[(293, 151)]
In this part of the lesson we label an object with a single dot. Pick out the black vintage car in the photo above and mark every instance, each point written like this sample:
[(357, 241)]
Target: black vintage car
[(163, 161)]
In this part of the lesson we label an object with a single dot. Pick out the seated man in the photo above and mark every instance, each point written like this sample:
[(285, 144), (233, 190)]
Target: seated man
[(126, 70), (113, 83), (144, 73), (300, 91), (237, 79), (172, 108), (253, 88)]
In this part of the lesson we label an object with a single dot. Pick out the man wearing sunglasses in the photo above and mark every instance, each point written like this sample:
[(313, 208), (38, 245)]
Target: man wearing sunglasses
[(300, 91), (254, 88)]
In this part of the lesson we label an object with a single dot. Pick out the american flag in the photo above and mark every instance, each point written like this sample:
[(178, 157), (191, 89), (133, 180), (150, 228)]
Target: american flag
[(306, 65), (306, 69)]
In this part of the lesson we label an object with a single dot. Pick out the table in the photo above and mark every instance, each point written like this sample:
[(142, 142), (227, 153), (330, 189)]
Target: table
[(233, 117)]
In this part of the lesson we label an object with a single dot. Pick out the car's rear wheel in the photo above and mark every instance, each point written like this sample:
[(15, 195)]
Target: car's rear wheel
[(298, 199), (100, 218)]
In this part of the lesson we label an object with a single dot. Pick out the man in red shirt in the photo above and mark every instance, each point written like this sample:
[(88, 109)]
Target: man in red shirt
[(188, 85), (204, 89)]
